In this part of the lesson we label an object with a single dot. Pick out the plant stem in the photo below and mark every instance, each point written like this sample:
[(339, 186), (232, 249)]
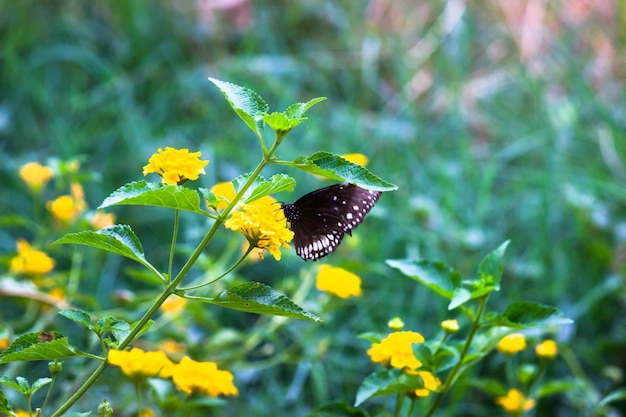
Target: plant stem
[(173, 247), (468, 343)]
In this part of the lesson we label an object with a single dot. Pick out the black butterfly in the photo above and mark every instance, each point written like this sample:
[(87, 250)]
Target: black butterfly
[(320, 218)]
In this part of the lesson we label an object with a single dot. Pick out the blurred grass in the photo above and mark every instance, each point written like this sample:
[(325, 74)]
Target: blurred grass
[(497, 120)]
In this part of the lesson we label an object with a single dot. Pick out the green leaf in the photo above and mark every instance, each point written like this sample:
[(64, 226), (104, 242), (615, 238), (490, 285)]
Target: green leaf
[(279, 122), (437, 276), (254, 297), (41, 382), (374, 385), (77, 316), (248, 105), (297, 110), (277, 183), (616, 395), (142, 193), (211, 199), (335, 167), (29, 347), (119, 328), (523, 314), (118, 239), (558, 386), (4, 403), (491, 265), (5, 380), (387, 382)]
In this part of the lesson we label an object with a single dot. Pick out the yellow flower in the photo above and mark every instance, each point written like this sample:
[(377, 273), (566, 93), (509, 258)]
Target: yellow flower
[(175, 166), (30, 261), (396, 350), (395, 324), (263, 226), (139, 364), (68, 207), (21, 413), (203, 377), (431, 383), (35, 175), (101, 220), (4, 343), (511, 344), (514, 402), (450, 326), (173, 306), (338, 281), (357, 158), (547, 349)]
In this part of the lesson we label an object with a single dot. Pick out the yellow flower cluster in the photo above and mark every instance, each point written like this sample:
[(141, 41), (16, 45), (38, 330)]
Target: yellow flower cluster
[(263, 226), (511, 344), (136, 363), (30, 261), (338, 281), (514, 402), (203, 377), (35, 175), (175, 166), (396, 351), (188, 375), (68, 207)]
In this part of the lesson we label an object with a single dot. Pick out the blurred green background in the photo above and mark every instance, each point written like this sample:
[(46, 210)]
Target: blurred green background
[(497, 120)]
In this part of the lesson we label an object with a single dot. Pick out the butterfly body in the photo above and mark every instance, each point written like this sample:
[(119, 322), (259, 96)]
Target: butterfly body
[(321, 218)]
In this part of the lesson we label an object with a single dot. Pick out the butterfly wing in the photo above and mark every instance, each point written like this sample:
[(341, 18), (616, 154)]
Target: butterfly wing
[(321, 218)]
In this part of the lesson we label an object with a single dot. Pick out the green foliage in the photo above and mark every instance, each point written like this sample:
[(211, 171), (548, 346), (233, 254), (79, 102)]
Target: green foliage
[(254, 297)]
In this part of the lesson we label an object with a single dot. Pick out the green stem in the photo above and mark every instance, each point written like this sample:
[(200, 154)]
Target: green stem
[(45, 401), (455, 370), (267, 158), (173, 247)]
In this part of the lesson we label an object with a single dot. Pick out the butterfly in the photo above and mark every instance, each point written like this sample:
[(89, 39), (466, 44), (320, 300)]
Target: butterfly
[(320, 218)]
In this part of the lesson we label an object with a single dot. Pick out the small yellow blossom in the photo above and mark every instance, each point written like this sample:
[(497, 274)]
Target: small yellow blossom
[(396, 350), (68, 207), (547, 349), (30, 261), (101, 220), (4, 343), (175, 166), (21, 413), (514, 402), (431, 383), (511, 344), (357, 158), (395, 324), (338, 281), (137, 363), (36, 175), (203, 377), (173, 306), (450, 326), (263, 226)]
